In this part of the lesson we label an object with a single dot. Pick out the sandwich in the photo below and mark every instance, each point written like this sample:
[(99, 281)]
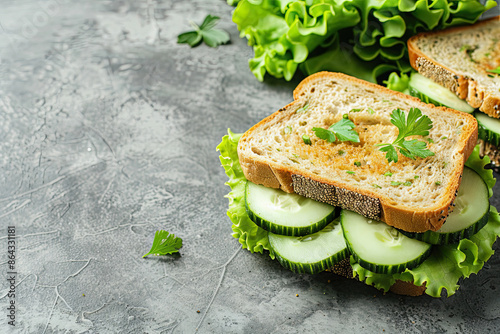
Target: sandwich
[(367, 182), (460, 68)]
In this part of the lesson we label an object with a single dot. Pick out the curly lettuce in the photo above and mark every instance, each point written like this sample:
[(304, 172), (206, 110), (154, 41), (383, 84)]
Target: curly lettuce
[(251, 236), (318, 35), (446, 266)]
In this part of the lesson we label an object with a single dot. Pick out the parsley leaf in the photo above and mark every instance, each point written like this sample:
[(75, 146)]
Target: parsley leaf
[(342, 130), (206, 32), (391, 154), (164, 243), (495, 70), (415, 124)]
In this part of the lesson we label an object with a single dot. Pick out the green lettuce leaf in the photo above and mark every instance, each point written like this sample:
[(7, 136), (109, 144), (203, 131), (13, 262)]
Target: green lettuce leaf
[(476, 163), (315, 34), (449, 263), (251, 236)]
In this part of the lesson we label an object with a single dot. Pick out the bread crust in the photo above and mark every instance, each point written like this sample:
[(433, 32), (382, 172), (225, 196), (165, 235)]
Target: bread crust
[(270, 174), (407, 288), (465, 88), (343, 268)]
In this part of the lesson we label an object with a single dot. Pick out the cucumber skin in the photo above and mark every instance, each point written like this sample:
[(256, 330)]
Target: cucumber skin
[(312, 268), (435, 238), (424, 98), (292, 231), (487, 135), (384, 268), (388, 269)]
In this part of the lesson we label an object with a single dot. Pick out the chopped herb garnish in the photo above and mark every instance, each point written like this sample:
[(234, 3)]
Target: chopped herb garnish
[(206, 33), (164, 243), (345, 116), (395, 183), (444, 137), (342, 130), (464, 47), (357, 163), (341, 152), (495, 70), (376, 186), (303, 109), (387, 174), (306, 139), (407, 183), (350, 172), (355, 110), (469, 50), (287, 130), (416, 177), (438, 183), (415, 124), (430, 140), (371, 111)]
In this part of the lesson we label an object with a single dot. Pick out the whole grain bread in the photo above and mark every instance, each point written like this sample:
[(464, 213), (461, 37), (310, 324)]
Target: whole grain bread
[(274, 154), (459, 59)]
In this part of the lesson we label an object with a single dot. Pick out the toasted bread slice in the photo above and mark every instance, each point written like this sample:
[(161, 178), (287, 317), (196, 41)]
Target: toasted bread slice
[(459, 59), (274, 154)]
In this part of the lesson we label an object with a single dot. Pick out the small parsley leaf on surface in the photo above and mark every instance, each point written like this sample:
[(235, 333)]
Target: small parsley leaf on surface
[(164, 243), (415, 124), (342, 130), (206, 33)]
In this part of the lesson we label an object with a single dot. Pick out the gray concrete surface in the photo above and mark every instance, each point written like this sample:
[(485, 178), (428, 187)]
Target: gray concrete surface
[(108, 132)]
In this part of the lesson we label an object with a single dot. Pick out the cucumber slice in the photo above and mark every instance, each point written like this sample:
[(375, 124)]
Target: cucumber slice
[(430, 92), (470, 214), (489, 128), (311, 253), (379, 247), (288, 214)]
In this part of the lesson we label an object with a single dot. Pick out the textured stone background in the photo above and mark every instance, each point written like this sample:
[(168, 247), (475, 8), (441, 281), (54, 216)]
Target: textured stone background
[(108, 132)]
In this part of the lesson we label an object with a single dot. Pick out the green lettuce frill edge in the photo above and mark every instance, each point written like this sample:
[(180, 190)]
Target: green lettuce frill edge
[(361, 38), (444, 268), (250, 236)]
